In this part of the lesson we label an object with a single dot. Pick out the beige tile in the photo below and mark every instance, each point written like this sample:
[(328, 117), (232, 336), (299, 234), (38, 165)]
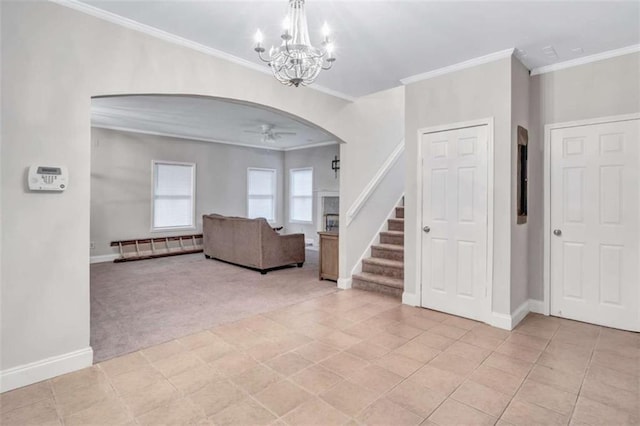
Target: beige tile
[(433, 315), (316, 412), (123, 364), (547, 397), (348, 397), (597, 390), (509, 365), (246, 412), (178, 363), (523, 413), (164, 350), (592, 412), (210, 353), (456, 413), (403, 330), (557, 379), (110, 411), (459, 322), (435, 341), (524, 353), (481, 340), (363, 330), (288, 364), (420, 322), (25, 396), (265, 351), (367, 351), (217, 396), (466, 350), (199, 340), (417, 351), (439, 380), (388, 340), (482, 397), (153, 396), (73, 399), (454, 364), (256, 379), (92, 376), (562, 363), (538, 329), (282, 397), (448, 331), (339, 339), (38, 413), (416, 398), (134, 381), (179, 411), (316, 379), (337, 322), (316, 351), (611, 377), (399, 364), (376, 378), (194, 378), (497, 379), (344, 364), (525, 340), (385, 412), (233, 364), (621, 363), (484, 330)]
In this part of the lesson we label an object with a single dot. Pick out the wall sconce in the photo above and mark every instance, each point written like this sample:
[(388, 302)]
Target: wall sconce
[(335, 165)]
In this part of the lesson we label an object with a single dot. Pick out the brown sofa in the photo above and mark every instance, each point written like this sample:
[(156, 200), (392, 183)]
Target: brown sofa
[(250, 242)]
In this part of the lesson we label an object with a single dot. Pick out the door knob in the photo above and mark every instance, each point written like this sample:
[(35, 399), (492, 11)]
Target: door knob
[(557, 232), (426, 229)]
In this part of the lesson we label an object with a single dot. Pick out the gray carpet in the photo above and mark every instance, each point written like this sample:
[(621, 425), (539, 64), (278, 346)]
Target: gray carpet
[(139, 304)]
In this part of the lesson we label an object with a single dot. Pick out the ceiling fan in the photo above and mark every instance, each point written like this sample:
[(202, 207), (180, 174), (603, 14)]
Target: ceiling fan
[(268, 133)]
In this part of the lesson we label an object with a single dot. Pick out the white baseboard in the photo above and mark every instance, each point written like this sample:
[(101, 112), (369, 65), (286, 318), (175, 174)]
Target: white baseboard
[(410, 299), (519, 314), (499, 320), (537, 306), (104, 258), (344, 283), (23, 375)]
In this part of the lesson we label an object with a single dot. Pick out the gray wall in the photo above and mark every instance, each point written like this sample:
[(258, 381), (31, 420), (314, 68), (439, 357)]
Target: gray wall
[(520, 83), (121, 181), (470, 94), (323, 180), (598, 89)]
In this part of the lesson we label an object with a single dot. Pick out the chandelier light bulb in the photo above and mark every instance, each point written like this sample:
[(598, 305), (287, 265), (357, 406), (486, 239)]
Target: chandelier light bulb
[(258, 39), (326, 31)]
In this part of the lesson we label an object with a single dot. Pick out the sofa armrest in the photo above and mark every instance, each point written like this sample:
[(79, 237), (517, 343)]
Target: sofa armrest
[(280, 250)]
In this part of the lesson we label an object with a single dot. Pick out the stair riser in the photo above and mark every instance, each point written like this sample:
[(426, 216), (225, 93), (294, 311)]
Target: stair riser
[(386, 271), (395, 225), (379, 288), (400, 212), (392, 239), (387, 254)]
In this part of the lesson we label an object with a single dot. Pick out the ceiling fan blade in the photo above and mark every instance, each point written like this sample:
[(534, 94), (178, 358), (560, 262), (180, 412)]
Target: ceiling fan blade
[(285, 133), (252, 131)]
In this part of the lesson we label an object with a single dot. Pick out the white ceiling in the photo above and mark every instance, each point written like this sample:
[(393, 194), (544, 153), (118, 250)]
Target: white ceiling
[(381, 42), (203, 118)]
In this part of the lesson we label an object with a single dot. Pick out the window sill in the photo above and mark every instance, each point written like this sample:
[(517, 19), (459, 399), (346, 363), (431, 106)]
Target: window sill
[(174, 228), (302, 222)]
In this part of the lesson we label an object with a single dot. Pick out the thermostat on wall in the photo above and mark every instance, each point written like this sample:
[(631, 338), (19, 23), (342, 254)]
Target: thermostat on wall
[(48, 178)]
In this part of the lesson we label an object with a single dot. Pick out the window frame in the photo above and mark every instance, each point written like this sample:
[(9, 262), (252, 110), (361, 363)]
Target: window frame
[(193, 166), (291, 196), (274, 188)]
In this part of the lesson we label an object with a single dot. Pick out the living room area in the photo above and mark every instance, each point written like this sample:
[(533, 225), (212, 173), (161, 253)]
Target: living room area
[(173, 176)]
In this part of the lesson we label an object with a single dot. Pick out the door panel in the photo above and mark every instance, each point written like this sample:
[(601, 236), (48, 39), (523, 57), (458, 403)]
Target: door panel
[(595, 272), (454, 207)]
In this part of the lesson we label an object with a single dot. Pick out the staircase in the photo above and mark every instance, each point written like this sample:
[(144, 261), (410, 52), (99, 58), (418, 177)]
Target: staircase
[(384, 270)]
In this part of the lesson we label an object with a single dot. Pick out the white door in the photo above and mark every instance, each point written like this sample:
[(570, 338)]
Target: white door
[(594, 259), (454, 220)]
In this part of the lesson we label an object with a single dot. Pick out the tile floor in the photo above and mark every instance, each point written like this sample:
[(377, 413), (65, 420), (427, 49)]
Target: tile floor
[(354, 358)]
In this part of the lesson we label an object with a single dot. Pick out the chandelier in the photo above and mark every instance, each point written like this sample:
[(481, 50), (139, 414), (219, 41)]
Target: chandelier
[(296, 61)]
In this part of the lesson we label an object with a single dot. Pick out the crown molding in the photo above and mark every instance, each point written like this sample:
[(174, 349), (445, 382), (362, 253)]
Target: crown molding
[(459, 66), (587, 59), (181, 41), (211, 140)]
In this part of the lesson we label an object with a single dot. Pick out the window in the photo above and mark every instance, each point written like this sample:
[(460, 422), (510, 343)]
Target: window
[(261, 193), (301, 193), (173, 195)]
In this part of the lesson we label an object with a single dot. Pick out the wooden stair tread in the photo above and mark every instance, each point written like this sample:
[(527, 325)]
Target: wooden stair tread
[(399, 233), (391, 247), (384, 262), (380, 279)]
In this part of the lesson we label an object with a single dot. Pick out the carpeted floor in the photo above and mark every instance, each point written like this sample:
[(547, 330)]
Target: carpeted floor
[(139, 304)]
